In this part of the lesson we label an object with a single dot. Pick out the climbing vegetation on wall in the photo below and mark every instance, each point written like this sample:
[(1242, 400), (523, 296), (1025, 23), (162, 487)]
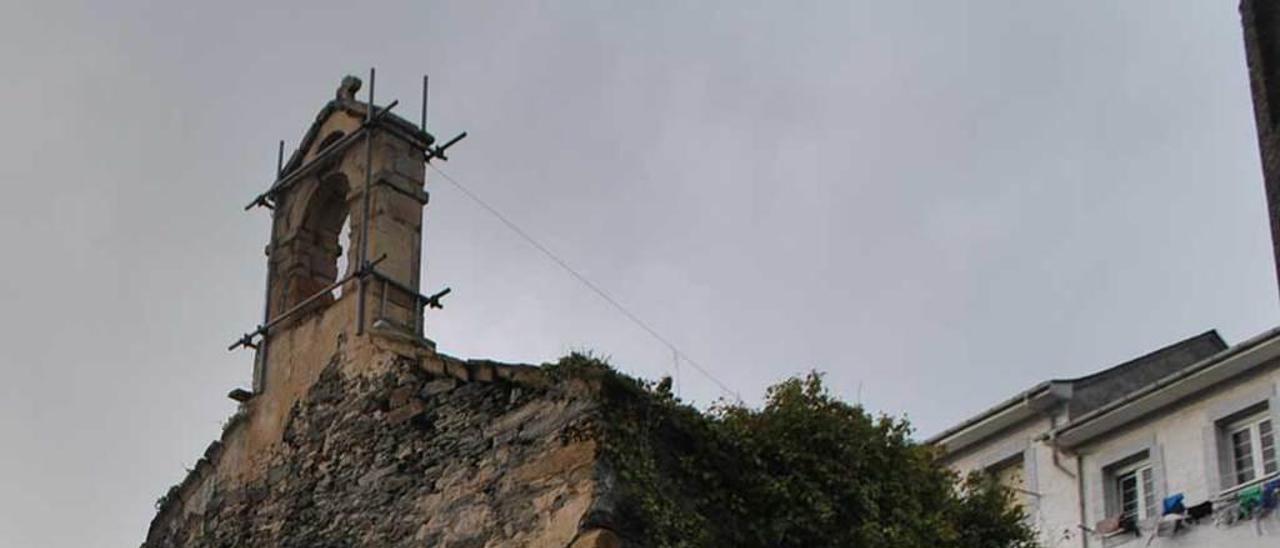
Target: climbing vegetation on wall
[(805, 469)]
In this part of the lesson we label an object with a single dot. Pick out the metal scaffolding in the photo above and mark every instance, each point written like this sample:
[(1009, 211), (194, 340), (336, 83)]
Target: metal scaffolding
[(367, 271)]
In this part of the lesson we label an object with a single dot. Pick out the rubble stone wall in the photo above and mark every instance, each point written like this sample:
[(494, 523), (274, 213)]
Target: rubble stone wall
[(427, 451)]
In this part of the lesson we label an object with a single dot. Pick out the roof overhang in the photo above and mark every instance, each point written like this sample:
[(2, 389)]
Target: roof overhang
[(1011, 412), (1212, 371)]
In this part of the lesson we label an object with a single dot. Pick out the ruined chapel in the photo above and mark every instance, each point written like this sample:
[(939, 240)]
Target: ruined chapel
[(356, 432)]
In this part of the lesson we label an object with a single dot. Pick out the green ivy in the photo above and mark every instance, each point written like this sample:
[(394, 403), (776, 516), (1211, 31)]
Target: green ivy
[(806, 469)]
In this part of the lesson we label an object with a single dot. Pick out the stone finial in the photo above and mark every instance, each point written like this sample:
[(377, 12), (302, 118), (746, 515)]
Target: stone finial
[(348, 88)]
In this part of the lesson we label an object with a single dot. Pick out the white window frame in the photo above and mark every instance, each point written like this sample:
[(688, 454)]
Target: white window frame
[(1252, 427), (1144, 488)]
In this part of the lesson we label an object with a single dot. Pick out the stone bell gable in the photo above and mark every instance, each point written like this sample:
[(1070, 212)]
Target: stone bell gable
[(323, 192), (356, 431), (344, 258)]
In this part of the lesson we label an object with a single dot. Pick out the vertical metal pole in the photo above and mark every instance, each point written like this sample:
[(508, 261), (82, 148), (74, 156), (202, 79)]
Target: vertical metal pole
[(260, 383), (424, 103), (417, 262), (382, 309), (417, 316), (364, 218)]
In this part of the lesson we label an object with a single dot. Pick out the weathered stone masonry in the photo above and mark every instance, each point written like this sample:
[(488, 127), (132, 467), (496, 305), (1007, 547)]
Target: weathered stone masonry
[(425, 453), (357, 432)]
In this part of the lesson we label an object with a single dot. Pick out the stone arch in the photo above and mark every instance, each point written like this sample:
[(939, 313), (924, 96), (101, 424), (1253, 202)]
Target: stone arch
[(316, 244), (329, 140)]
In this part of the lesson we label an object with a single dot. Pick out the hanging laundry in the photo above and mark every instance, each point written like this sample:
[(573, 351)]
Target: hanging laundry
[(1107, 526), (1169, 525), (1200, 511), (1173, 505), (1250, 500), (1226, 513), (1269, 492)]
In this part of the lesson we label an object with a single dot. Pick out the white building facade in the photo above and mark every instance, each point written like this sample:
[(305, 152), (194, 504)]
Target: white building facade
[(1175, 448)]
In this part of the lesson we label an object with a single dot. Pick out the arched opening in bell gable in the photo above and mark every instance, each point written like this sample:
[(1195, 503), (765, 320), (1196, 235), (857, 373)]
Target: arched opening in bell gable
[(345, 247), (324, 241), (329, 140)]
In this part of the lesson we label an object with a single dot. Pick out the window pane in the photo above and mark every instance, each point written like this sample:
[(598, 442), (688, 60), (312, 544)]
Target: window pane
[(1148, 494), (1268, 447), (1242, 452), (1127, 488)]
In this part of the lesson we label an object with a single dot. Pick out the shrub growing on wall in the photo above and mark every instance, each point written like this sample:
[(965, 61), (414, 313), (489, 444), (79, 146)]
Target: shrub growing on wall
[(806, 469)]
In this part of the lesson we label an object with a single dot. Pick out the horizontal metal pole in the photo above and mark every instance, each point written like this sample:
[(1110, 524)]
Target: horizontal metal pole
[(329, 151), (438, 152), (434, 300), (398, 285), (414, 140), (306, 168), (247, 339), (452, 142)]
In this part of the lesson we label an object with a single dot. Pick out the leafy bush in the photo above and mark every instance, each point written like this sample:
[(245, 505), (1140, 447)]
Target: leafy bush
[(805, 470)]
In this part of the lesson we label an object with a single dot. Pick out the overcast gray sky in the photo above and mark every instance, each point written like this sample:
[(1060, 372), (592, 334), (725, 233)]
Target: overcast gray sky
[(940, 202)]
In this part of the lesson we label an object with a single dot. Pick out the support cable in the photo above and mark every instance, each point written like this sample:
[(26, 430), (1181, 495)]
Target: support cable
[(679, 354)]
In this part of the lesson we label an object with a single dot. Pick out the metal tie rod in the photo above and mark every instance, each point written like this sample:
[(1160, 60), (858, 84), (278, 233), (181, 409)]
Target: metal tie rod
[(247, 339), (438, 152), (400, 286), (341, 144), (434, 300)]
